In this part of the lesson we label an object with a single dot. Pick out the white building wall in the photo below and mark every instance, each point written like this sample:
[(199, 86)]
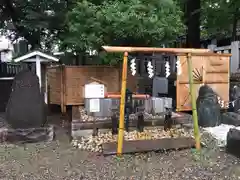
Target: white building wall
[(6, 49)]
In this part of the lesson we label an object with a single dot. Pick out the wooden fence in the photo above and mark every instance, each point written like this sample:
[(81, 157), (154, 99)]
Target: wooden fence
[(66, 83), (9, 70)]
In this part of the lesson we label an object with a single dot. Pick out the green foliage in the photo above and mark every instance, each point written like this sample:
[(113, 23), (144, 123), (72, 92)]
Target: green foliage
[(110, 58), (35, 20), (84, 27), (80, 25), (89, 24), (218, 16), (137, 22)]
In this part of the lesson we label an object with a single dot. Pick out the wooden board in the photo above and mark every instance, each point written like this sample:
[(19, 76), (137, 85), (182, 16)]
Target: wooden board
[(54, 85), (107, 124), (77, 77), (184, 98), (212, 70), (149, 145)]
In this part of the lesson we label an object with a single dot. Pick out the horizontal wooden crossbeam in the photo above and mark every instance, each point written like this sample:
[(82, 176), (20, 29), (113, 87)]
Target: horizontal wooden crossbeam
[(154, 49)]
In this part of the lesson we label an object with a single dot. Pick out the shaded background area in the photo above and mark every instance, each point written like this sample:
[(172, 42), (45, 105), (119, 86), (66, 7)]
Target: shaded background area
[(5, 90)]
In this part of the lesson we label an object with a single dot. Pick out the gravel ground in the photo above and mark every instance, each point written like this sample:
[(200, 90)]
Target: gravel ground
[(59, 160)]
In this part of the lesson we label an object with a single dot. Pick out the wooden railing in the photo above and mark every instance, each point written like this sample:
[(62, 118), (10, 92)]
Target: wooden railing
[(234, 49), (10, 70)]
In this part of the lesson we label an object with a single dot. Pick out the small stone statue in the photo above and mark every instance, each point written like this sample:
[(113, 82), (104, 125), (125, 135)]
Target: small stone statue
[(208, 107)]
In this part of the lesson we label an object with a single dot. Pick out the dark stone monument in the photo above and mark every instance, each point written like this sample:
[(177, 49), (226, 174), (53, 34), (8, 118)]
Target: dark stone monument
[(231, 118), (26, 107), (140, 122), (235, 98), (114, 119), (168, 121), (233, 142), (208, 108)]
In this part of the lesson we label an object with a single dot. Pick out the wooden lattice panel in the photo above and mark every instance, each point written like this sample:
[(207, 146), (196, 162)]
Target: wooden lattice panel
[(197, 65), (212, 70)]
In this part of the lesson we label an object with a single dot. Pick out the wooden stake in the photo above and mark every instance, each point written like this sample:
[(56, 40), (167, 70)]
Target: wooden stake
[(122, 105), (193, 101)]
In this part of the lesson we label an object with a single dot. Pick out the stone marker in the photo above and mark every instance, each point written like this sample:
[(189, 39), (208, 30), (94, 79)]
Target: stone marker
[(208, 108), (25, 108), (231, 118), (235, 98), (233, 141)]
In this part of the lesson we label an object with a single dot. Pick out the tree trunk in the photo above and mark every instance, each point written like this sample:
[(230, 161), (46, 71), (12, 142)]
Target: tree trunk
[(76, 60), (34, 40), (80, 58), (234, 27), (83, 58), (192, 14)]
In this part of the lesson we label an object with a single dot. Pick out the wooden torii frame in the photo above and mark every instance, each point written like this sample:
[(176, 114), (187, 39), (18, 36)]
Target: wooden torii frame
[(177, 51)]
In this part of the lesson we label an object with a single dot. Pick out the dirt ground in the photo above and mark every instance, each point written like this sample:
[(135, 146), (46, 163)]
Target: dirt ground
[(59, 160)]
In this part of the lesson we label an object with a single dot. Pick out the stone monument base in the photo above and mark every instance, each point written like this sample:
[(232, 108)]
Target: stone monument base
[(30, 135)]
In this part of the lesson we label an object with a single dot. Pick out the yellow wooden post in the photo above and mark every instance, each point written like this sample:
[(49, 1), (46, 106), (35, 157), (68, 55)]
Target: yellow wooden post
[(193, 101), (122, 105)]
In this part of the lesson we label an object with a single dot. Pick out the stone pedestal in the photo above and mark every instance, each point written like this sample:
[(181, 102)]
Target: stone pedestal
[(31, 135)]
